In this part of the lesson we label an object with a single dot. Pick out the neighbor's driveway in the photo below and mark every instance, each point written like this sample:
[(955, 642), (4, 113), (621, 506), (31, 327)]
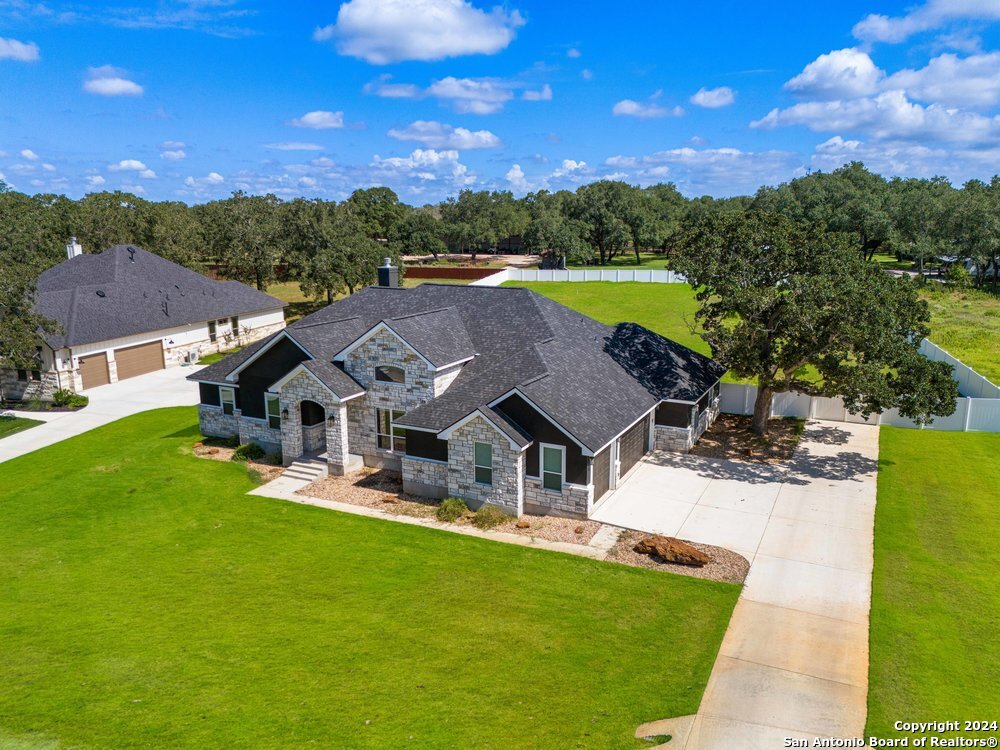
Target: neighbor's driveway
[(107, 403), (794, 661)]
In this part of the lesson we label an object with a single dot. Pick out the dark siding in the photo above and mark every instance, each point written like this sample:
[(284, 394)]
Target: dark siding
[(209, 394), (632, 446), (543, 431), (272, 365), (704, 401), (673, 415), (602, 473), (420, 444)]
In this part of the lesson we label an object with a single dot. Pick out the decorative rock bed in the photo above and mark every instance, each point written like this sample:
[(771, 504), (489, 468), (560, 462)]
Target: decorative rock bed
[(723, 565)]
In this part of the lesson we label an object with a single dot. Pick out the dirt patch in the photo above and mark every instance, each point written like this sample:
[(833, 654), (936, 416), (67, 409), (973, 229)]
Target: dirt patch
[(218, 450), (383, 489), (724, 565), (731, 438)]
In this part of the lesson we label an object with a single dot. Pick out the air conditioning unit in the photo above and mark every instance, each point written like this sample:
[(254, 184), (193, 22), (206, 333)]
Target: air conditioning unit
[(191, 357)]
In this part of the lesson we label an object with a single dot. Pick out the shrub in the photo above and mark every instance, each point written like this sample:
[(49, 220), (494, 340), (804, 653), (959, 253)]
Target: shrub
[(957, 276), (489, 516), (451, 509), (248, 452), (65, 397)]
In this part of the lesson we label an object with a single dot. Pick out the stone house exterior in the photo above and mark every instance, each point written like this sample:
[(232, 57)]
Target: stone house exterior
[(125, 312), (495, 395)]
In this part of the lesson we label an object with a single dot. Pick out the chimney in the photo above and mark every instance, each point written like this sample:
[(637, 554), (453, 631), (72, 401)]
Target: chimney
[(73, 249), (388, 275)]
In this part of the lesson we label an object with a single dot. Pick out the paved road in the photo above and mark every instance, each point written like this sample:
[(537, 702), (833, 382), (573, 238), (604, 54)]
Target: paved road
[(107, 403), (794, 661)]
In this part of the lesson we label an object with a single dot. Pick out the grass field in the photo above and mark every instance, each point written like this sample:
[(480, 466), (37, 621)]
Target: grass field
[(149, 602), (647, 261), (10, 424), (935, 623), (966, 323)]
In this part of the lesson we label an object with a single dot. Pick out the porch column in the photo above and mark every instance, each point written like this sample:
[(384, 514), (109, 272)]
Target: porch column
[(336, 438), (291, 430)]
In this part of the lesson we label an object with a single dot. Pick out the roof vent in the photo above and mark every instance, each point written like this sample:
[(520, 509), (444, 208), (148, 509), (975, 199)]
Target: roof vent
[(100, 293), (73, 248)]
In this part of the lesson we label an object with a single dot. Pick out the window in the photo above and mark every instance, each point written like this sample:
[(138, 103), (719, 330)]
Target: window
[(22, 374), (227, 397), (390, 374), (553, 466), (484, 463), (36, 375), (234, 322), (212, 335), (389, 437), (272, 406)]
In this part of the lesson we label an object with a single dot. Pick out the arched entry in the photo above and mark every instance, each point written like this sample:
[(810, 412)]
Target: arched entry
[(313, 426)]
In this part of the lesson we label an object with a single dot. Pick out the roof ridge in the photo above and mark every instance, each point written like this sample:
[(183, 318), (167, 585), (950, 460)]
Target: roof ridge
[(424, 312), (324, 322)]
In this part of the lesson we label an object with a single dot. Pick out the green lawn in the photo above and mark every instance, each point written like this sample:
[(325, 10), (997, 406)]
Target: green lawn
[(10, 424), (647, 262), (966, 323), (935, 624), (149, 602)]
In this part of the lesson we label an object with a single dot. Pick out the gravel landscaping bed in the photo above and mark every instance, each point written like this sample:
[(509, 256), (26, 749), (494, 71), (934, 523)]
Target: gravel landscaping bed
[(383, 489), (730, 437), (218, 452), (725, 564)]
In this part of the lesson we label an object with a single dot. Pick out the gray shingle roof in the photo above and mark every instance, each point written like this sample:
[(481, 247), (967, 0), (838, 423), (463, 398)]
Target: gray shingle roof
[(594, 380), (126, 290), (334, 378)]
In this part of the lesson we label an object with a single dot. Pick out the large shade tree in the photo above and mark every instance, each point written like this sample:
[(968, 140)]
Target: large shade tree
[(778, 297)]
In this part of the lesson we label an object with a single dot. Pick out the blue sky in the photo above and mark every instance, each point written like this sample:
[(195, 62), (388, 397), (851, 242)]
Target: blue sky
[(192, 100)]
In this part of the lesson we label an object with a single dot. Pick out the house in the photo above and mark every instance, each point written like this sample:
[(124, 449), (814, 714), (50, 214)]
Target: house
[(495, 395), (126, 312)]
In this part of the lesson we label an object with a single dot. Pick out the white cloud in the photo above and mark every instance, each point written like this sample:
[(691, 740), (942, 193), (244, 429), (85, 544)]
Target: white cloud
[(515, 176), (384, 87), (907, 159), (172, 144), (947, 79), (632, 108), (49, 167), (722, 96), (571, 52), (107, 80), (386, 31), (890, 115), (840, 74), (294, 146), (319, 119), (432, 134), (211, 179), (476, 96), (586, 74), (127, 165), (27, 153), (542, 95), (12, 49), (424, 166), (95, 180), (148, 174), (173, 154), (932, 14)]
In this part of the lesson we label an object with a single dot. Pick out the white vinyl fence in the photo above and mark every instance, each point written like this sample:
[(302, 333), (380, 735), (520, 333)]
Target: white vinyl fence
[(970, 382), (589, 274), (971, 414)]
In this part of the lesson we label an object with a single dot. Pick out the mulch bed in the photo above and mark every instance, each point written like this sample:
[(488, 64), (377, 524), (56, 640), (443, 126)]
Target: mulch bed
[(382, 489), (37, 406), (731, 438), (725, 565), (217, 450)]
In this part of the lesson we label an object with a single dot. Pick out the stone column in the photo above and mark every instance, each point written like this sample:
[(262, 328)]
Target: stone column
[(291, 431), (337, 448)]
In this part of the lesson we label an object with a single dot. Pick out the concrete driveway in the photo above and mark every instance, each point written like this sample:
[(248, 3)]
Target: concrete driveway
[(107, 403), (794, 661)]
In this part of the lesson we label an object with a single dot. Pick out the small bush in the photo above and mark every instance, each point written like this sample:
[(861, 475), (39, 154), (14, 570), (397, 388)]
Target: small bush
[(489, 516), (451, 509), (248, 452), (957, 276), (66, 398)]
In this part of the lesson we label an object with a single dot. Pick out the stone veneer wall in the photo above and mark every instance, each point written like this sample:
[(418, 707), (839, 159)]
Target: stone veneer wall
[(682, 439), (384, 348), (314, 437), (329, 434), (572, 502), (28, 390), (507, 490), (214, 423), (259, 432), (424, 477)]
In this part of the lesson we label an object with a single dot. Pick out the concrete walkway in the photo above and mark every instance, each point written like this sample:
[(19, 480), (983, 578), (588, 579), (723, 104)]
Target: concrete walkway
[(794, 661), (107, 404)]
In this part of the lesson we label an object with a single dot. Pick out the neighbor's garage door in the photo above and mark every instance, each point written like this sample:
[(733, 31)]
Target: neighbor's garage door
[(632, 447), (94, 370), (138, 360), (602, 473)]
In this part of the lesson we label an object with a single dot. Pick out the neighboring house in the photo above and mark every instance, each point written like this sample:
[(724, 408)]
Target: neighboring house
[(495, 395), (126, 312)]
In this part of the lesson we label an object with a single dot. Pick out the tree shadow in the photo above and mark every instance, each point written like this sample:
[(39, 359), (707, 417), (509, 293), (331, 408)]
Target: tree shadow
[(825, 434), (188, 432)]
